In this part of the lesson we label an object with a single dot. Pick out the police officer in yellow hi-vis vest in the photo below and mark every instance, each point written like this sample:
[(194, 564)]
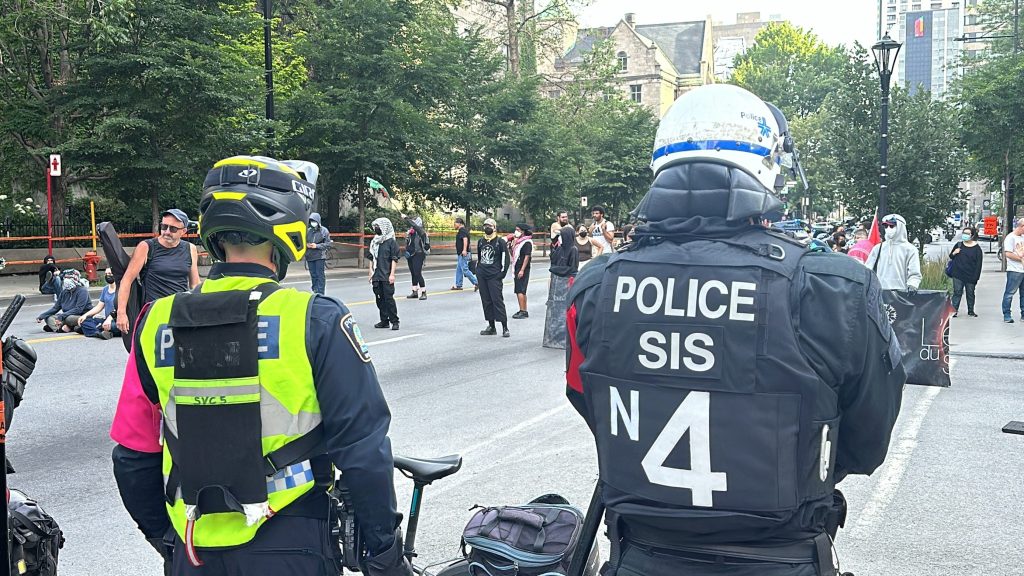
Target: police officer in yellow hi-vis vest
[(240, 397)]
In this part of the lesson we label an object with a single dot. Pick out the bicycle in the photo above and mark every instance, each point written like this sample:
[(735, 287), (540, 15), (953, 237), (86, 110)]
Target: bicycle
[(424, 472)]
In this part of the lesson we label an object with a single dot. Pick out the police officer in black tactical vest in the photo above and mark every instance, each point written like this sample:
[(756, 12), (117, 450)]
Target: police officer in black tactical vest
[(706, 359)]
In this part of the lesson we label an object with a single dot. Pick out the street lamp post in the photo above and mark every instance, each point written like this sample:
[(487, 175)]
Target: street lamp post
[(885, 52)]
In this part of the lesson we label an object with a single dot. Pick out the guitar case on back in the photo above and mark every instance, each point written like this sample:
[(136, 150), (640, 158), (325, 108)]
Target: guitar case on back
[(118, 259)]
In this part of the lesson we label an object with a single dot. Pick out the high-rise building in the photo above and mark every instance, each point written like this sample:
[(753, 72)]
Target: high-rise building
[(932, 56), (936, 40)]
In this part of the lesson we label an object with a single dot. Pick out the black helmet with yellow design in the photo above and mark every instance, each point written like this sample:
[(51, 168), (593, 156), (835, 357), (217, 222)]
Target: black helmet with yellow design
[(255, 199)]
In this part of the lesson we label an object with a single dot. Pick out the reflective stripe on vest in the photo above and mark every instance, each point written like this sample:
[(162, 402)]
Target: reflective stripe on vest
[(288, 404)]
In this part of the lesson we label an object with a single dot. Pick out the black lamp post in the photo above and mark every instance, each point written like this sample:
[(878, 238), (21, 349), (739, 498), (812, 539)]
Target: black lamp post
[(885, 51)]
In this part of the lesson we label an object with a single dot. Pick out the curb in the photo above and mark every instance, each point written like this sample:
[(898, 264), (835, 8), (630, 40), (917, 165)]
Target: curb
[(993, 355)]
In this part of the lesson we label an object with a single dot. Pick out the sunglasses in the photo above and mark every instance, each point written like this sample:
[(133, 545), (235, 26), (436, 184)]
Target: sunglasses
[(889, 224), (171, 229)]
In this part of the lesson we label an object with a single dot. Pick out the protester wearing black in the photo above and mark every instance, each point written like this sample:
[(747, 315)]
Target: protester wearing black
[(965, 269), (493, 262), (522, 255), (46, 273), (384, 257), (416, 247), (565, 257), (734, 412)]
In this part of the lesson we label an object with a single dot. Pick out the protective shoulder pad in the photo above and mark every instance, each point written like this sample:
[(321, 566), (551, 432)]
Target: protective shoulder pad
[(834, 264)]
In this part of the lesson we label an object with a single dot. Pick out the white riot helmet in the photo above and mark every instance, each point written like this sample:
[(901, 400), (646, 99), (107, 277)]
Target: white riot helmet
[(724, 124)]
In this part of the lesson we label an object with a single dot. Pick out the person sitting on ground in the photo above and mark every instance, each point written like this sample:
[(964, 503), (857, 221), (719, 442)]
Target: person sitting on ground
[(72, 301), (47, 272), (100, 321)]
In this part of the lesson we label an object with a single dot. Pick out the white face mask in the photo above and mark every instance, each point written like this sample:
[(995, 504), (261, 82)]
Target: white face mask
[(518, 234), (890, 233)]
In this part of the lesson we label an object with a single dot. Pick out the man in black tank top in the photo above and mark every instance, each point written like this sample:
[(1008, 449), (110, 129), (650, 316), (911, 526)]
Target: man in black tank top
[(165, 265)]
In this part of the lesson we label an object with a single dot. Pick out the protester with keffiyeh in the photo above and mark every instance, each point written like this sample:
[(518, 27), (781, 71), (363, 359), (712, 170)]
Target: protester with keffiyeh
[(384, 256), (522, 254)]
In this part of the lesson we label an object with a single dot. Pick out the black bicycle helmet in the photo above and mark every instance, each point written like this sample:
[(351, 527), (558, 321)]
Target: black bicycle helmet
[(259, 199)]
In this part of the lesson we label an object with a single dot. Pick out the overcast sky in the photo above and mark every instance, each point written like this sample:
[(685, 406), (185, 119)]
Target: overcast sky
[(836, 22)]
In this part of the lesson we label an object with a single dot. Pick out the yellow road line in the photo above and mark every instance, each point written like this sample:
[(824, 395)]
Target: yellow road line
[(54, 338)]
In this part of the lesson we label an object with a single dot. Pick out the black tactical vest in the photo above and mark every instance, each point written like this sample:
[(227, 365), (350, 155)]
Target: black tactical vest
[(710, 424)]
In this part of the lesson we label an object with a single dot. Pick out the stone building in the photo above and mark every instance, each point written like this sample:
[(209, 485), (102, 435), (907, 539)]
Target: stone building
[(732, 40), (657, 62)]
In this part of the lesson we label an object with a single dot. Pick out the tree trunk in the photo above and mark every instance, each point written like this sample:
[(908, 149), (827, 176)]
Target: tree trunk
[(513, 38), (362, 221), (154, 208)]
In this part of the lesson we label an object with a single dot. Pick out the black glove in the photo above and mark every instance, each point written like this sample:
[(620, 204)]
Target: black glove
[(19, 361), (391, 562)]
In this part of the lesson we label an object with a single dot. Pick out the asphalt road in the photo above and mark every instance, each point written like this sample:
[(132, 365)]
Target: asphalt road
[(946, 502)]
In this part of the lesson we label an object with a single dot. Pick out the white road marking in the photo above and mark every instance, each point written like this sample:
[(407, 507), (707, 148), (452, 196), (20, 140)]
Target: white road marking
[(390, 340), (515, 429), (896, 463)]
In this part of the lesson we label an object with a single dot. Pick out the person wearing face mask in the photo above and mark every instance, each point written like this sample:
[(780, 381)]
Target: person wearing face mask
[(965, 269), (586, 247), (522, 254), (493, 262), (318, 238), (896, 261), (100, 321), (47, 273), (384, 257)]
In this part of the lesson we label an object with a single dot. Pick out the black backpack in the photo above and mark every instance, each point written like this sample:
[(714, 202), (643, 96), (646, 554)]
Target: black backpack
[(36, 539), (530, 540)]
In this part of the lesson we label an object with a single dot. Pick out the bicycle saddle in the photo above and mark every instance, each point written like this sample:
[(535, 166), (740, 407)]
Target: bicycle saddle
[(428, 469)]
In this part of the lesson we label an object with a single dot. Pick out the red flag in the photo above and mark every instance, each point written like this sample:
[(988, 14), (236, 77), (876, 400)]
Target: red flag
[(874, 236)]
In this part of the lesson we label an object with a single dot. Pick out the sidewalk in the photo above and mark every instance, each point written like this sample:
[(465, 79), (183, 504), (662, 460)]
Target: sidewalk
[(28, 284), (988, 336)]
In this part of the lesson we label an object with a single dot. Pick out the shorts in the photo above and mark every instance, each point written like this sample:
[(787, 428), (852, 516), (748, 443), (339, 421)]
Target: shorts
[(521, 284)]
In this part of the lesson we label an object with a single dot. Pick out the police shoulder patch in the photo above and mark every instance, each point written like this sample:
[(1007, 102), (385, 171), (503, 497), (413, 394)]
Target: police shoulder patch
[(355, 337)]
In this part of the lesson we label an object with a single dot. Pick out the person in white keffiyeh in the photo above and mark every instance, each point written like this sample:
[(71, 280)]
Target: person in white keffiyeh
[(385, 255)]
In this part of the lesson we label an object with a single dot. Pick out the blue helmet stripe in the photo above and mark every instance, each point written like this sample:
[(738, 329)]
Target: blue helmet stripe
[(730, 145)]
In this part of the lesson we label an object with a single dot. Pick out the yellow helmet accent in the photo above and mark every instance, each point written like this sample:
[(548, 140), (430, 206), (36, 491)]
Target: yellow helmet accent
[(249, 161), (284, 231), (228, 195)]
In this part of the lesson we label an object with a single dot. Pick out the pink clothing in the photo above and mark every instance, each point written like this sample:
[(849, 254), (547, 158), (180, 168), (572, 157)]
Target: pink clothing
[(861, 250), (137, 420)]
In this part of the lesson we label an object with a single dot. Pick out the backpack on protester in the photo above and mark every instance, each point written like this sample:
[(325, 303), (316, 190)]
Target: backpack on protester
[(36, 539), (535, 539)]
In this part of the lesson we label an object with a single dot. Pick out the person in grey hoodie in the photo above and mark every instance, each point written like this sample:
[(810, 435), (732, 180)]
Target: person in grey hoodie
[(896, 261), (318, 238), (73, 300)]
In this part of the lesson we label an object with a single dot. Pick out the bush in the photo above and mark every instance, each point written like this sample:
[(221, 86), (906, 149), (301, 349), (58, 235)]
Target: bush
[(933, 276)]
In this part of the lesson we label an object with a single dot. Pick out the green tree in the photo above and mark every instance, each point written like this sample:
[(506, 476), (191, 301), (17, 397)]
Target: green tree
[(594, 143), (790, 67), (40, 46), (926, 164), (164, 95)]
